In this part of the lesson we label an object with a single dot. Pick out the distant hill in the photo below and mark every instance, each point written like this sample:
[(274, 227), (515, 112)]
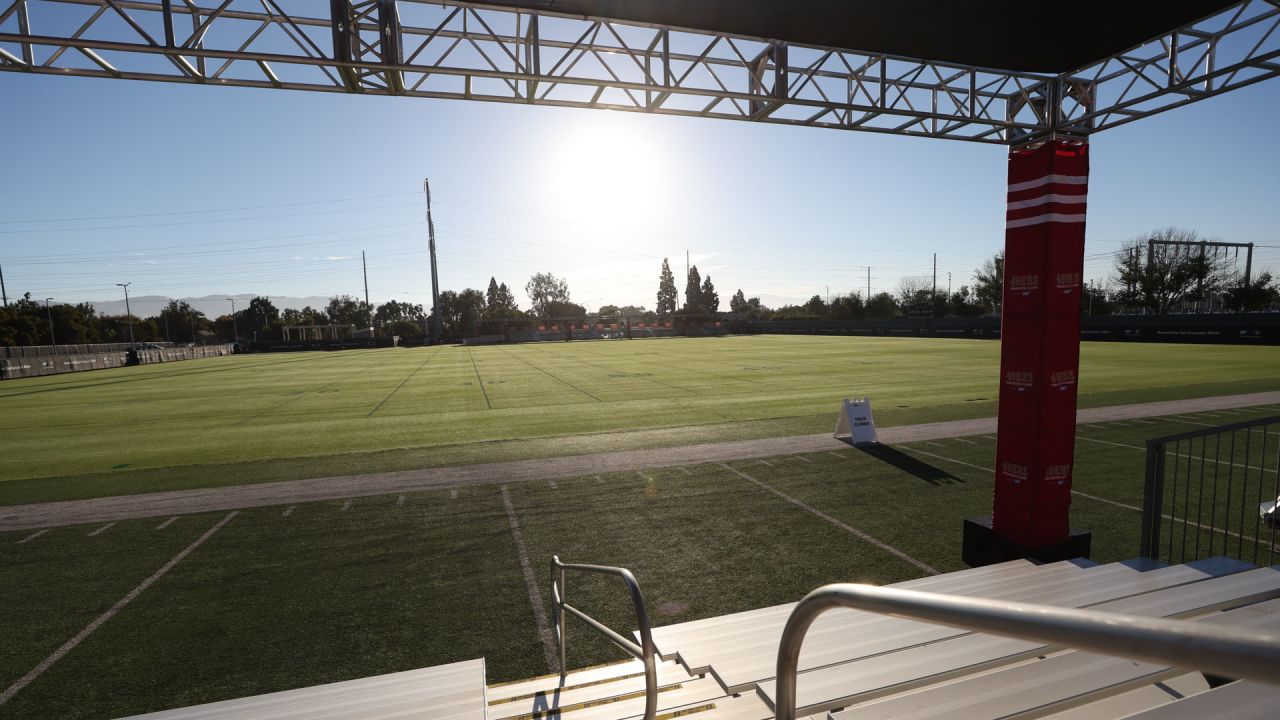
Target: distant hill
[(211, 305)]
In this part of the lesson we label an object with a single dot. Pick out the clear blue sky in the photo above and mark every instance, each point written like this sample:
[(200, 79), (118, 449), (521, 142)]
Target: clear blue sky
[(596, 197)]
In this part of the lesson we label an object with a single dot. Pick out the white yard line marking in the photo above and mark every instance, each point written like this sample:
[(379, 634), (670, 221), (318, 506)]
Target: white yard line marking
[(1110, 502), (551, 484), (835, 454), (802, 458), (992, 438), (684, 470), (1144, 421), (400, 501), (32, 536), (71, 644), (851, 530), (166, 523), (1187, 456), (453, 494), (930, 442), (762, 461), (288, 511), (966, 442), (1191, 422), (642, 475), (102, 529), (345, 506), (1094, 427), (953, 460), (1122, 424), (531, 585), (599, 480)]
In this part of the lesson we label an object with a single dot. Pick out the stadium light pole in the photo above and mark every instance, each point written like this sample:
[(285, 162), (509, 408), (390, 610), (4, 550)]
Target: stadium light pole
[(128, 314), (53, 340)]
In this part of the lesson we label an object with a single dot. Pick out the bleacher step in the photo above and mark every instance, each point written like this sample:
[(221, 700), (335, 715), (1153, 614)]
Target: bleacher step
[(581, 692), (1237, 701)]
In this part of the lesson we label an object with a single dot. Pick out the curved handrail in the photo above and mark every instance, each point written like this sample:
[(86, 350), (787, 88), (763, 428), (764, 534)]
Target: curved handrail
[(1222, 650), (643, 652)]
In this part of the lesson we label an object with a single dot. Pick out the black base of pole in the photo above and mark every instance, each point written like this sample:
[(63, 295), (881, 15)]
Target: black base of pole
[(984, 546)]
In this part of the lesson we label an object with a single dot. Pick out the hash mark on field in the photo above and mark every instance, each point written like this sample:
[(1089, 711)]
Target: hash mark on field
[(1121, 424), (400, 501), (930, 442), (288, 511), (100, 530), (551, 484), (966, 442), (762, 461), (992, 438), (599, 480), (453, 494), (345, 506), (835, 454), (32, 536), (1144, 421), (851, 530), (1094, 427), (166, 523), (402, 382), (1191, 422), (71, 644), (531, 585), (684, 470), (802, 458)]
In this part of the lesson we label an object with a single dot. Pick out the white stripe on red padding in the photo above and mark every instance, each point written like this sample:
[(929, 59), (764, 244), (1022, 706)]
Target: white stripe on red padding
[(1048, 179), (1046, 217), (1050, 198)]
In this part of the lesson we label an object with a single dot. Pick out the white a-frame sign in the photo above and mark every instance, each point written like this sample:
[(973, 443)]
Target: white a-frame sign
[(855, 421)]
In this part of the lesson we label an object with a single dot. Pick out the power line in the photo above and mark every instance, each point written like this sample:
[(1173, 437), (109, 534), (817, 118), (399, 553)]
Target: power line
[(201, 212)]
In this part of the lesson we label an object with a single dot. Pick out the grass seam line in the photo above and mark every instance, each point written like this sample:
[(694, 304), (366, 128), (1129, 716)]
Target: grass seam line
[(531, 584), (378, 407), (479, 379), (843, 526), (71, 644)]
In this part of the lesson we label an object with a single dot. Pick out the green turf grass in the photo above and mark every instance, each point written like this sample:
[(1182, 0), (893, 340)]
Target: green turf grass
[(273, 602), (271, 417)]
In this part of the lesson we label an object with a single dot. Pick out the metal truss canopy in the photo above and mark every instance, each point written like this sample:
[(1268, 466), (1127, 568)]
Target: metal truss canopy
[(476, 51)]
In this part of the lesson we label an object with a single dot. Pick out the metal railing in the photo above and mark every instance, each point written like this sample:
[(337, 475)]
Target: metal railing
[(1206, 491), (1224, 651), (643, 652)]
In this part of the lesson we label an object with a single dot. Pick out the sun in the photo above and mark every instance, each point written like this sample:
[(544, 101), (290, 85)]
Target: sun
[(608, 170)]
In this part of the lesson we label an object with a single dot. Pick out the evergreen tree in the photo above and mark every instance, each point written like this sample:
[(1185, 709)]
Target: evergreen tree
[(667, 297), (693, 291), (738, 303), (710, 298)]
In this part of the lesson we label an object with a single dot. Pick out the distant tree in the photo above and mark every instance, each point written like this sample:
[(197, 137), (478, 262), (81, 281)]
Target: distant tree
[(913, 290), (546, 290), (988, 283), (816, 307), (847, 306), (667, 297), (499, 302), (964, 303), (738, 303), (881, 306), (1259, 294), (1095, 300), (394, 311), (708, 297), (348, 310), (1158, 277), (470, 310), (184, 321), (693, 292), (258, 319)]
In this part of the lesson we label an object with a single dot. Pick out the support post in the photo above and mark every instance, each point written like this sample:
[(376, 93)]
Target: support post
[(1040, 349), (435, 278)]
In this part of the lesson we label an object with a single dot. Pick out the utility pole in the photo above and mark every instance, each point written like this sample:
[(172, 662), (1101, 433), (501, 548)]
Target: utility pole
[(193, 328), (868, 298), (934, 300), (5, 294), (128, 313), (948, 285), (235, 327), (364, 268), (49, 314), (165, 314), (435, 278)]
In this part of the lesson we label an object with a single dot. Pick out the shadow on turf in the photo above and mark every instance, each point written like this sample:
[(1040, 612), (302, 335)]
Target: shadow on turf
[(910, 465)]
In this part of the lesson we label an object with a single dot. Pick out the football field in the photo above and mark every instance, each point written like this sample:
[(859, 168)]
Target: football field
[(257, 418)]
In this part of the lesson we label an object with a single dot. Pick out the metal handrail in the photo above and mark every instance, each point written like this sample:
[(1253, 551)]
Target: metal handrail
[(643, 652), (1223, 651)]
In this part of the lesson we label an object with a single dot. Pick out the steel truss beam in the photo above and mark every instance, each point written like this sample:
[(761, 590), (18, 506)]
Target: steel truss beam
[(471, 51)]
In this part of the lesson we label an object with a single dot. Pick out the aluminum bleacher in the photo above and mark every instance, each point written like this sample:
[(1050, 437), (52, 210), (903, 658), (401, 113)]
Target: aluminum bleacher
[(861, 665)]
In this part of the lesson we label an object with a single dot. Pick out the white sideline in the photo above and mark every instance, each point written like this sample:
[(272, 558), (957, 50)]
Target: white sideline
[(851, 530), (531, 584), (71, 644)]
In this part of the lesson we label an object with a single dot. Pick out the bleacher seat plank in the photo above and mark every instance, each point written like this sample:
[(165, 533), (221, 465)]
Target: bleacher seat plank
[(1237, 701), (843, 635), (446, 692), (1136, 700), (739, 654), (555, 700), (843, 684), (1063, 680), (668, 672)]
